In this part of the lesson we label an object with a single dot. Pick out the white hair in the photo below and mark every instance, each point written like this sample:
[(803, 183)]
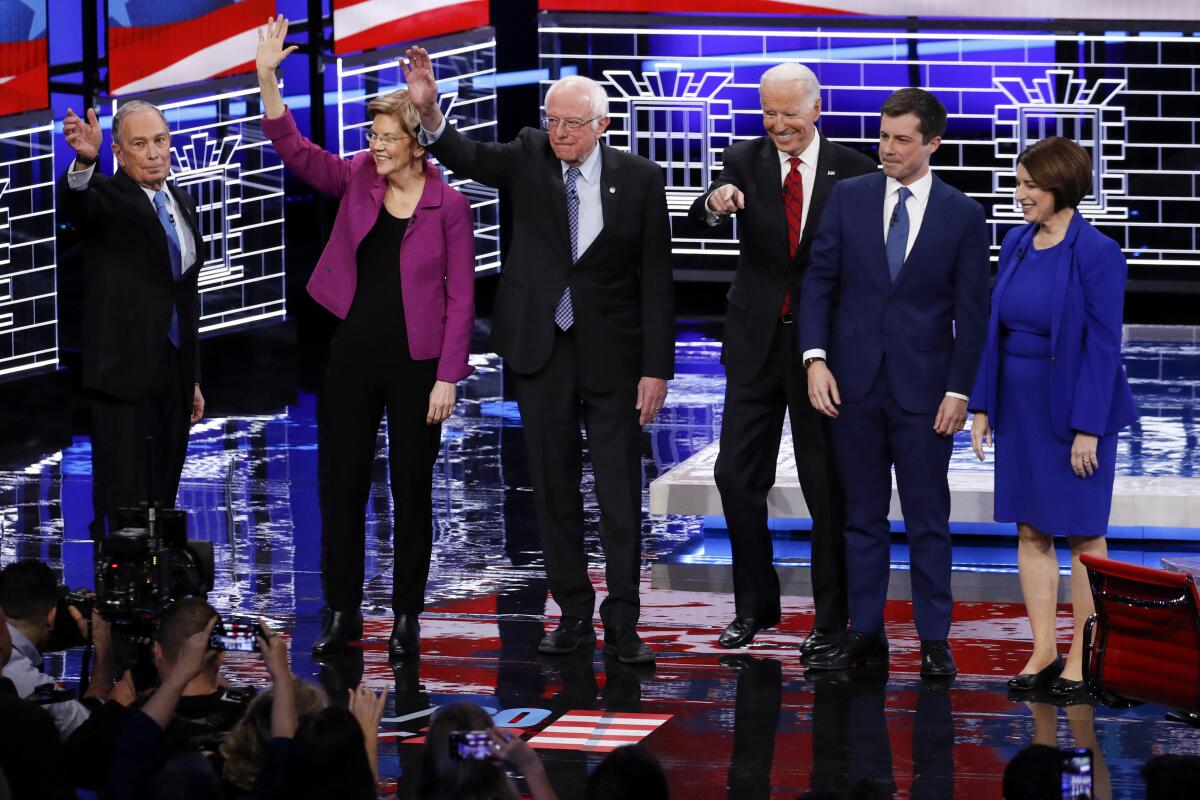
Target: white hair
[(597, 97), (134, 107), (792, 71)]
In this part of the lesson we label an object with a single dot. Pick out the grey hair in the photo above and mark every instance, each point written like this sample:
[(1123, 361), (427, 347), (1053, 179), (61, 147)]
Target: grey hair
[(792, 71), (133, 107), (597, 97)]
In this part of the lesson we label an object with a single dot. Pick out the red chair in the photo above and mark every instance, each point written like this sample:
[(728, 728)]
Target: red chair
[(1143, 643)]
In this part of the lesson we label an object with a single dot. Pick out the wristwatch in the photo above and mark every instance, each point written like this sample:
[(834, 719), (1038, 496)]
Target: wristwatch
[(87, 162), (808, 362)]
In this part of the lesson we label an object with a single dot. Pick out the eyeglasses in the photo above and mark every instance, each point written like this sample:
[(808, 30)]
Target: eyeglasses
[(550, 123), (386, 138)]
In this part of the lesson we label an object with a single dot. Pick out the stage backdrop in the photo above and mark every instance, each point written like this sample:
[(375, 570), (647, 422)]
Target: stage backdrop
[(158, 43), (1181, 10), (24, 56), (368, 24)]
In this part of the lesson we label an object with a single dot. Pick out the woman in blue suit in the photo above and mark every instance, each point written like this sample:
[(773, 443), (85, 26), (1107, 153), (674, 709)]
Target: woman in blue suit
[(1051, 386)]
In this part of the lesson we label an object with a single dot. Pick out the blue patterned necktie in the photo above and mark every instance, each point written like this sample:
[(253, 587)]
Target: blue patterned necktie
[(564, 314), (164, 216), (897, 239)]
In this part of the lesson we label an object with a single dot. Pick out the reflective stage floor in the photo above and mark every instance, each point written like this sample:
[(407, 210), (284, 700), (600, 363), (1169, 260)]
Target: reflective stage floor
[(747, 724)]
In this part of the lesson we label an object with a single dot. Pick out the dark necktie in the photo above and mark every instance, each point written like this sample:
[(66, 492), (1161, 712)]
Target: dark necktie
[(164, 216), (897, 238), (564, 314), (793, 207)]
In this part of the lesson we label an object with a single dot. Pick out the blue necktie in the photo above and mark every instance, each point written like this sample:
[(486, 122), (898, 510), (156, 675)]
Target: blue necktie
[(564, 314), (897, 238), (164, 216)]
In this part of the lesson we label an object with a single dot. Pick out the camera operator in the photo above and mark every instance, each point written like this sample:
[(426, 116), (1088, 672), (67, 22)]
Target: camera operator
[(207, 709), (30, 756), (29, 597)]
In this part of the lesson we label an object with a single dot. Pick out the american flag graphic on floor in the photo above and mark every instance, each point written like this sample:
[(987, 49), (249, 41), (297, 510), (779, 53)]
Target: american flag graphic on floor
[(596, 731)]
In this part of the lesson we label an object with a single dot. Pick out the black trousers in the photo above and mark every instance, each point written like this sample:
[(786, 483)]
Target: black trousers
[(138, 446), (745, 472), (358, 389), (553, 402)]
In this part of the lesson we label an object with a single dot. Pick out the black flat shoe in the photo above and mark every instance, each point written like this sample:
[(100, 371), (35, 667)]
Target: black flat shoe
[(341, 628), (571, 634), (1032, 681), (742, 631), (1062, 688), (405, 640)]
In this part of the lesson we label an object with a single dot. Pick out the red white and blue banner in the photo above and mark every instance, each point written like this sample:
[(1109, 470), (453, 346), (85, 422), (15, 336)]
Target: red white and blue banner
[(157, 43), (1182, 10), (368, 24), (24, 56)]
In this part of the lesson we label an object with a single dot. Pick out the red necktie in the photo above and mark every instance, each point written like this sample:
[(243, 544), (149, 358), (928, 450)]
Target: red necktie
[(793, 206)]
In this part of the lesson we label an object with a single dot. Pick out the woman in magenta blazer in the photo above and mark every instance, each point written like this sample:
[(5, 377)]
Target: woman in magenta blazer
[(399, 272)]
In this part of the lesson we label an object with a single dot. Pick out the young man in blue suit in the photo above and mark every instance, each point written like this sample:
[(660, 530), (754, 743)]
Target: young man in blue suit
[(895, 304)]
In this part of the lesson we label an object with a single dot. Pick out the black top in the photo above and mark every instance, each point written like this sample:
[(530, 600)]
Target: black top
[(376, 318)]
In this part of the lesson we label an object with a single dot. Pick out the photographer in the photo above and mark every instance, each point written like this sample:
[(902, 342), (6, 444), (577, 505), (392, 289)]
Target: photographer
[(204, 713), (29, 597)]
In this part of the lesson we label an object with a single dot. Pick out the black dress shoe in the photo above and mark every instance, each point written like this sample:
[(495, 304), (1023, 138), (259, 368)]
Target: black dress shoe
[(405, 640), (818, 640), (571, 634), (341, 628), (936, 659), (1032, 681), (852, 648), (1062, 689), (624, 643), (742, 631)]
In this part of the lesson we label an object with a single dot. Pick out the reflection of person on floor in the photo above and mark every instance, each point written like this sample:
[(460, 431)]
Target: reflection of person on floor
[(852, 752), (896, 297), (584, 321), (757, 699), (143, 250), (1081, 717), (399, 272), (1052, 387), (776, 186)]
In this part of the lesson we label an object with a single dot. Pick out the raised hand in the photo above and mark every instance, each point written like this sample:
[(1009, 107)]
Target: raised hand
[(83, 136), (418, 75), (271, 51)]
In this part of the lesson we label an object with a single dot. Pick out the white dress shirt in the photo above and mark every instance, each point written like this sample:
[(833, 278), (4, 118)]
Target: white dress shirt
[(78, 181), (808, 177), (915, 206), (24, 670)]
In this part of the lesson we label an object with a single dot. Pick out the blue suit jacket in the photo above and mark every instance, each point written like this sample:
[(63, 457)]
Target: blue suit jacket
[(928, 327), (1088, 388)]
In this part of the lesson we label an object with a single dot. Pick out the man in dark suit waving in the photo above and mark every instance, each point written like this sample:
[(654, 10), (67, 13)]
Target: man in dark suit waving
[(142, 250), (896, 297), (777, 185), (584, 319)]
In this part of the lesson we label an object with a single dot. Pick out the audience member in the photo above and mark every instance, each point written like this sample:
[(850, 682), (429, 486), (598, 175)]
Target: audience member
[(628, 773), (245, 747), (1171, 777), (29, 598), (1034, 773), (445, 777)]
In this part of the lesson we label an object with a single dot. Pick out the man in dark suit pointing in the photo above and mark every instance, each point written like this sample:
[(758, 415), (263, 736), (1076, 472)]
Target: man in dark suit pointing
[(142, 250), (585, 321), (777, 185)]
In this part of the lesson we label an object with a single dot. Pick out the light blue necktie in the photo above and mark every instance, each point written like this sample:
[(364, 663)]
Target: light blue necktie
[(164, 216), (897, 239), (564, 314)]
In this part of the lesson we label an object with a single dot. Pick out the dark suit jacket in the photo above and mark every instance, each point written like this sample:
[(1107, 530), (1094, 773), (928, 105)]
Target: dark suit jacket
[(928, 328), (130, 290), (621, 285), (1089, 391), (765, 269)]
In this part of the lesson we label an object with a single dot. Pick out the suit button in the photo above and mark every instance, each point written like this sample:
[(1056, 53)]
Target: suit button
[(1052, 356)]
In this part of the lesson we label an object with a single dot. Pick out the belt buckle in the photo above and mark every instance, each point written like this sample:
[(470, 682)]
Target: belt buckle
[(787, 319)]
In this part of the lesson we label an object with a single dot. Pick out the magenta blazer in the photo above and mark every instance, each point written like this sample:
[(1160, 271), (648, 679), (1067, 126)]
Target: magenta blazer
[(437, 256)]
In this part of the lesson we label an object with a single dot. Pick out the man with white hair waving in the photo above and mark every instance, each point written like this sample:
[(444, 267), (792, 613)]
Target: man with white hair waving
[(584, 318), (776, 186)]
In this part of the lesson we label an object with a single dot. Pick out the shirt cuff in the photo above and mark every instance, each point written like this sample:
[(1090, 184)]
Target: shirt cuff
[(78, 180), (711, 218), (958, 396), (426, 138), (814, 353)]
